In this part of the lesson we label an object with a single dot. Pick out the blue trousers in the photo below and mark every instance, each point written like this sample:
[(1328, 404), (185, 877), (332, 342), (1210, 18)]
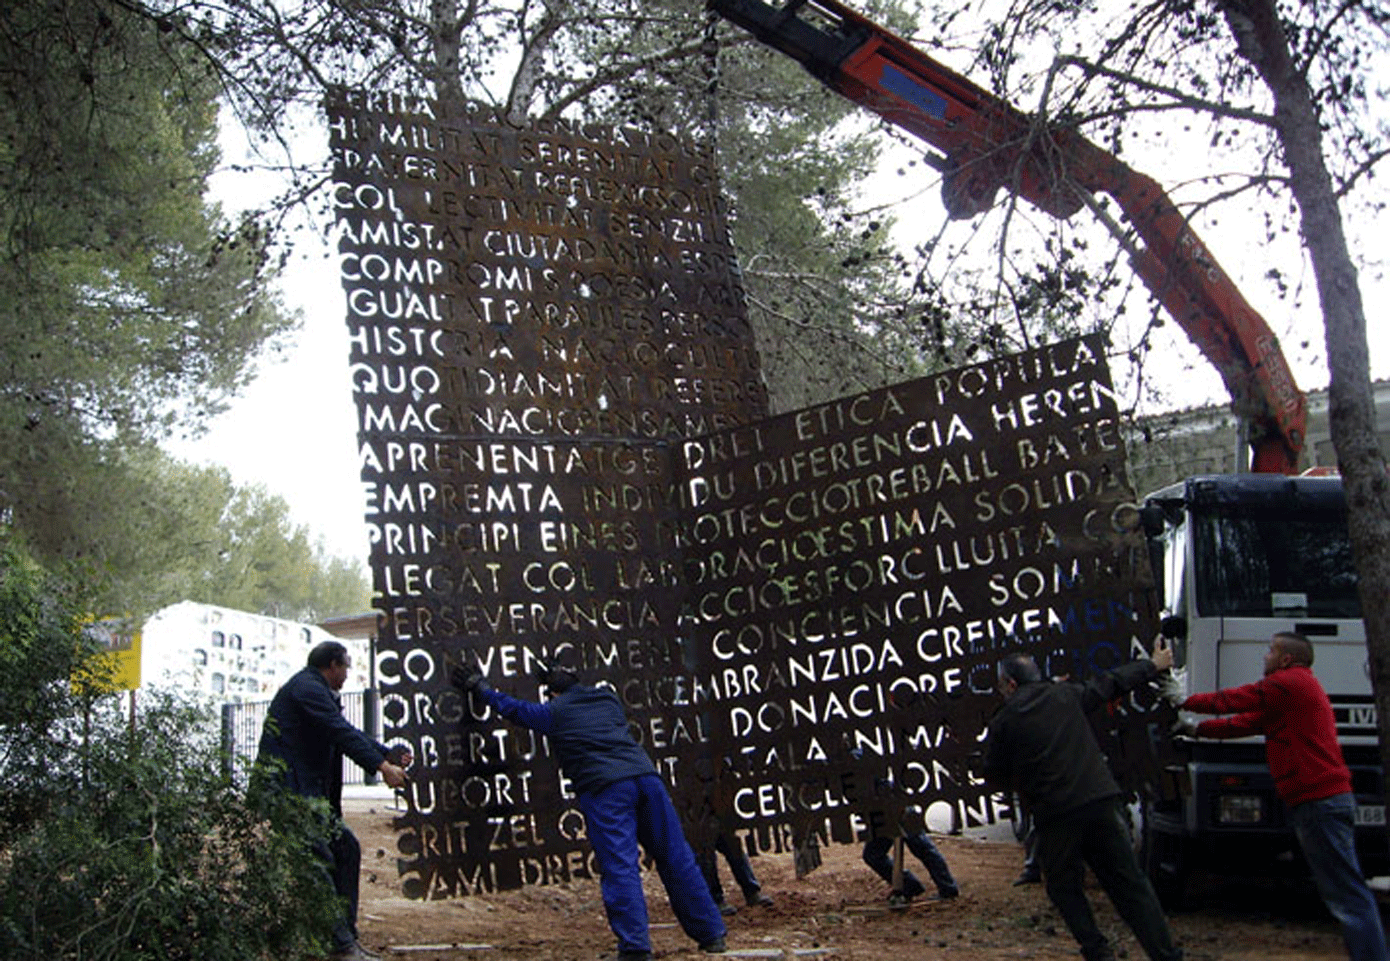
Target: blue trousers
[(638, 811), (1326, 831), (877, 856)]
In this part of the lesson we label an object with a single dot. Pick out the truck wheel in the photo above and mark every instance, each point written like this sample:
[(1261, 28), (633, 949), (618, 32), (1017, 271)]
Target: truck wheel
[(1164, 857)]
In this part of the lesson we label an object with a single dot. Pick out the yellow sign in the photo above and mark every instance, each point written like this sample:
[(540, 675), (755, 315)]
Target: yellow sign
[(118, 666)]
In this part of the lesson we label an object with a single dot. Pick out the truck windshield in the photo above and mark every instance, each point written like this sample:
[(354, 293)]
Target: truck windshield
[(1251, 563)]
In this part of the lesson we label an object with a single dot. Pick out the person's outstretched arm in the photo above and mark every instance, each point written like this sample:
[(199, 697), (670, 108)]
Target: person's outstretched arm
[(470, 680)]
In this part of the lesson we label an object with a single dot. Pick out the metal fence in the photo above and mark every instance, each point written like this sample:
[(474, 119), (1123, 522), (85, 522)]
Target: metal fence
[(241, 732)]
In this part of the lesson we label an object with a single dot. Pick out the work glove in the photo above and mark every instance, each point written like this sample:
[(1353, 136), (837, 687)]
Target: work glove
[(913, 820), (1183, 728), (1170, 686), (468, 678)]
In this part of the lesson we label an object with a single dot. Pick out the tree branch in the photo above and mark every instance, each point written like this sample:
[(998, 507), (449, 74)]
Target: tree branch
[(1323, 34), (688, 47), (1180, 99), (1362, 169)]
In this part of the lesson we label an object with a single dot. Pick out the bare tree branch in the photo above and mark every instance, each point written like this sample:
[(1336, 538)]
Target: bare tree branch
[(1180, 99)]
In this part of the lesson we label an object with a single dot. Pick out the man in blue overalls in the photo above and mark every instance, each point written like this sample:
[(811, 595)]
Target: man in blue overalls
[(624, 802)]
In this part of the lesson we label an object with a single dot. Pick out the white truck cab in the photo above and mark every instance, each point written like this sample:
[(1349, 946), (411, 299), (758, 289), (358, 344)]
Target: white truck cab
[(1241, 557)]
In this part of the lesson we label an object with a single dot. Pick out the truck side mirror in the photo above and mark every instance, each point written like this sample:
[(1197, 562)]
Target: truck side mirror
[(1151, 518)]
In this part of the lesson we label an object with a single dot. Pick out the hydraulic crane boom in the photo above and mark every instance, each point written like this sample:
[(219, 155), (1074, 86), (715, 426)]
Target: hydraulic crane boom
[(986, 144)]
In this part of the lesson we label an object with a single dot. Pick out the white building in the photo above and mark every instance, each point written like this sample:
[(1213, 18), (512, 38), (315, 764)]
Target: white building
[(1165, 448), (233, 656)]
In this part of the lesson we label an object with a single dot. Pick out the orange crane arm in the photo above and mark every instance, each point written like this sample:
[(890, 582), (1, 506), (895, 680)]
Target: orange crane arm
[(986, 144)]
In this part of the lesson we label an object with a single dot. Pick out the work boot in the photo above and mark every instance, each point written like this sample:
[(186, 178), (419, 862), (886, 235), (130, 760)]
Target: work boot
[(715, 946), (756, 899), (946, 894), (725, 908), (1029, 876), (1101, 952), (633, 956)]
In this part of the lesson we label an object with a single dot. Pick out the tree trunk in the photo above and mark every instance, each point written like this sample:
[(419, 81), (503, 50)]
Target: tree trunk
[(444, 65), (533, 51), (1261, 40)]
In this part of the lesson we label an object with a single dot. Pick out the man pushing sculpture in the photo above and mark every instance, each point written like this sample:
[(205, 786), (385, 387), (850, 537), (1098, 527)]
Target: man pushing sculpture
[(624, 802)]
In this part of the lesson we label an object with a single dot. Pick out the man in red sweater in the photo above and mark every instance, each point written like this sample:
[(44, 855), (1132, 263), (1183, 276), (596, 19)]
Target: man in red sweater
[(1290, 708)]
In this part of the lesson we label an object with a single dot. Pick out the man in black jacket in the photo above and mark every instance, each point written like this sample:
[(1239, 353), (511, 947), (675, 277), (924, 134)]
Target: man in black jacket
[(301, 750), (1041, 745)]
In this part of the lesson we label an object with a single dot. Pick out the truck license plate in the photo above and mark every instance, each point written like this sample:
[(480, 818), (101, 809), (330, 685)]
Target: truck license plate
[(1370, 815)]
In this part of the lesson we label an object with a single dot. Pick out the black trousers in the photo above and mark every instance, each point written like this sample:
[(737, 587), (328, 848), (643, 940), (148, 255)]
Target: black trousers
[(877, 856), (1095, 835), (739, 866), (342, 862)]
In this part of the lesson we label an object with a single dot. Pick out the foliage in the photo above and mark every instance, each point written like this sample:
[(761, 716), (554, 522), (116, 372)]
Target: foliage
[(831, 307), (157, 531), (206, 539), (827, 297), (1164, 87), (830, 298), (131, 307), (268, 565), (127, 838), (39, 650)]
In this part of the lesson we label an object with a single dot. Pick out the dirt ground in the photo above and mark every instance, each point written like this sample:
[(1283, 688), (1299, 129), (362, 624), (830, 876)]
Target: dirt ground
[(837, 913)]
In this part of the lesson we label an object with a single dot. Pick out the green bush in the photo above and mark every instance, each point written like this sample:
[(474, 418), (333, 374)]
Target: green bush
[(39, 651), (124, 838)]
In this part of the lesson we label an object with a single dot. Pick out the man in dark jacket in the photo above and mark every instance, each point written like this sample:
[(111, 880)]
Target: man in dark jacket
[(624, 802), (302, 747), (1041, 745), (1290, 708)]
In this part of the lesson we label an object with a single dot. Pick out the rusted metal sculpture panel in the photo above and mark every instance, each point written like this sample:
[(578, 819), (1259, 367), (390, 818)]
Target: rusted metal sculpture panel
[(857, 570), (538, 314), (567, 457)]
